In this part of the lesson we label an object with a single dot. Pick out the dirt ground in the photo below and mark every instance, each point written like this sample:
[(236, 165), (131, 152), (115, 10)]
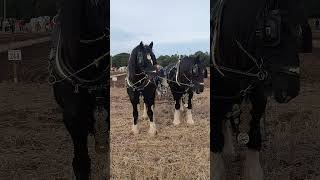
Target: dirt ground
[(180, 152), (34, 144)]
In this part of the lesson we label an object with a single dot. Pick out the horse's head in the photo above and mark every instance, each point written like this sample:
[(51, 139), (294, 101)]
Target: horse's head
[(282, 61), (142, 60), (193, 70), (265, 31)]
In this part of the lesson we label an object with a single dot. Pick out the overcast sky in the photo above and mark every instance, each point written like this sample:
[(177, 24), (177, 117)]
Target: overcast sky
[(175, 26)]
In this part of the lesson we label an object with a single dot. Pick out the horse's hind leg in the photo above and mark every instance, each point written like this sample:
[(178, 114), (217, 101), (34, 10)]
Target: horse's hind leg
[(252, 161), (189, 111)]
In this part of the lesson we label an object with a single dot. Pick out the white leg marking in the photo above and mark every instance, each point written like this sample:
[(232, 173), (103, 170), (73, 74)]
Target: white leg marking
[(217, 170), (165, 83), (135, 129), (253, 166), (181, 105), (176, 119), (144, 115), (228, 148), (153, 128), (189, 117)]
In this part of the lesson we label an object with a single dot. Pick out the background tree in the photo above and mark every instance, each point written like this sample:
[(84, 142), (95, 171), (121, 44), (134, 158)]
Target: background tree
[(120, 60)]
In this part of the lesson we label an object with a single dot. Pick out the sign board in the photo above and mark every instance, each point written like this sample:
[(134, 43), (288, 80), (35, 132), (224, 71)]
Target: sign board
[(14, 55), (114, 79)]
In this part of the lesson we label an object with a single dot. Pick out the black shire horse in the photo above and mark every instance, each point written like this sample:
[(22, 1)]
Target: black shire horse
[(255, 54), (141, 82), (79, 72), (185, 78)]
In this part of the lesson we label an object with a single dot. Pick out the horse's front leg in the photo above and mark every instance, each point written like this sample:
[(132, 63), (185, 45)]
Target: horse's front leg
[(252, 161), (149, 102), (134, 99), (220, 138), (79, 133), (177, 111), (135, 113), (189, 111)]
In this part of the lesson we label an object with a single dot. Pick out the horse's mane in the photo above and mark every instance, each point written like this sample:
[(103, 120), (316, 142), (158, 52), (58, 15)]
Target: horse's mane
[(238, 24), (132, 63), (70, 16)]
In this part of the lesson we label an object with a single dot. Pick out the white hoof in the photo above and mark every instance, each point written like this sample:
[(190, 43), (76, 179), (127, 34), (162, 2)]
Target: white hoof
[(217, 171), (189, 117), (176, 118), (135, 129), (253, 166), (152, 129), (144, 115)]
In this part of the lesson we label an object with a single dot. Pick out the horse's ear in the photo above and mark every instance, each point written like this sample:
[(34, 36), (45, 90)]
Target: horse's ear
[(151, 44), (141, 44)]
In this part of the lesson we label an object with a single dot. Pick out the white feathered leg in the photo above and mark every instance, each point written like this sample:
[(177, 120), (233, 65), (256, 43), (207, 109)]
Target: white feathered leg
[(176, 118), (135, 129), (144, 115), (152, 128), (253, 166), (217, 169), (189, 117), (182, 108)]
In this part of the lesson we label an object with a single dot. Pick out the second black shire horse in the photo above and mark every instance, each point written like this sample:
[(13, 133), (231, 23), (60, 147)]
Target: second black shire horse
[(185, 78), (140, 81), (255, 54)]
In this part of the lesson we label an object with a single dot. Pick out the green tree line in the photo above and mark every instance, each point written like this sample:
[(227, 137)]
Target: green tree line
[(121, 59)]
